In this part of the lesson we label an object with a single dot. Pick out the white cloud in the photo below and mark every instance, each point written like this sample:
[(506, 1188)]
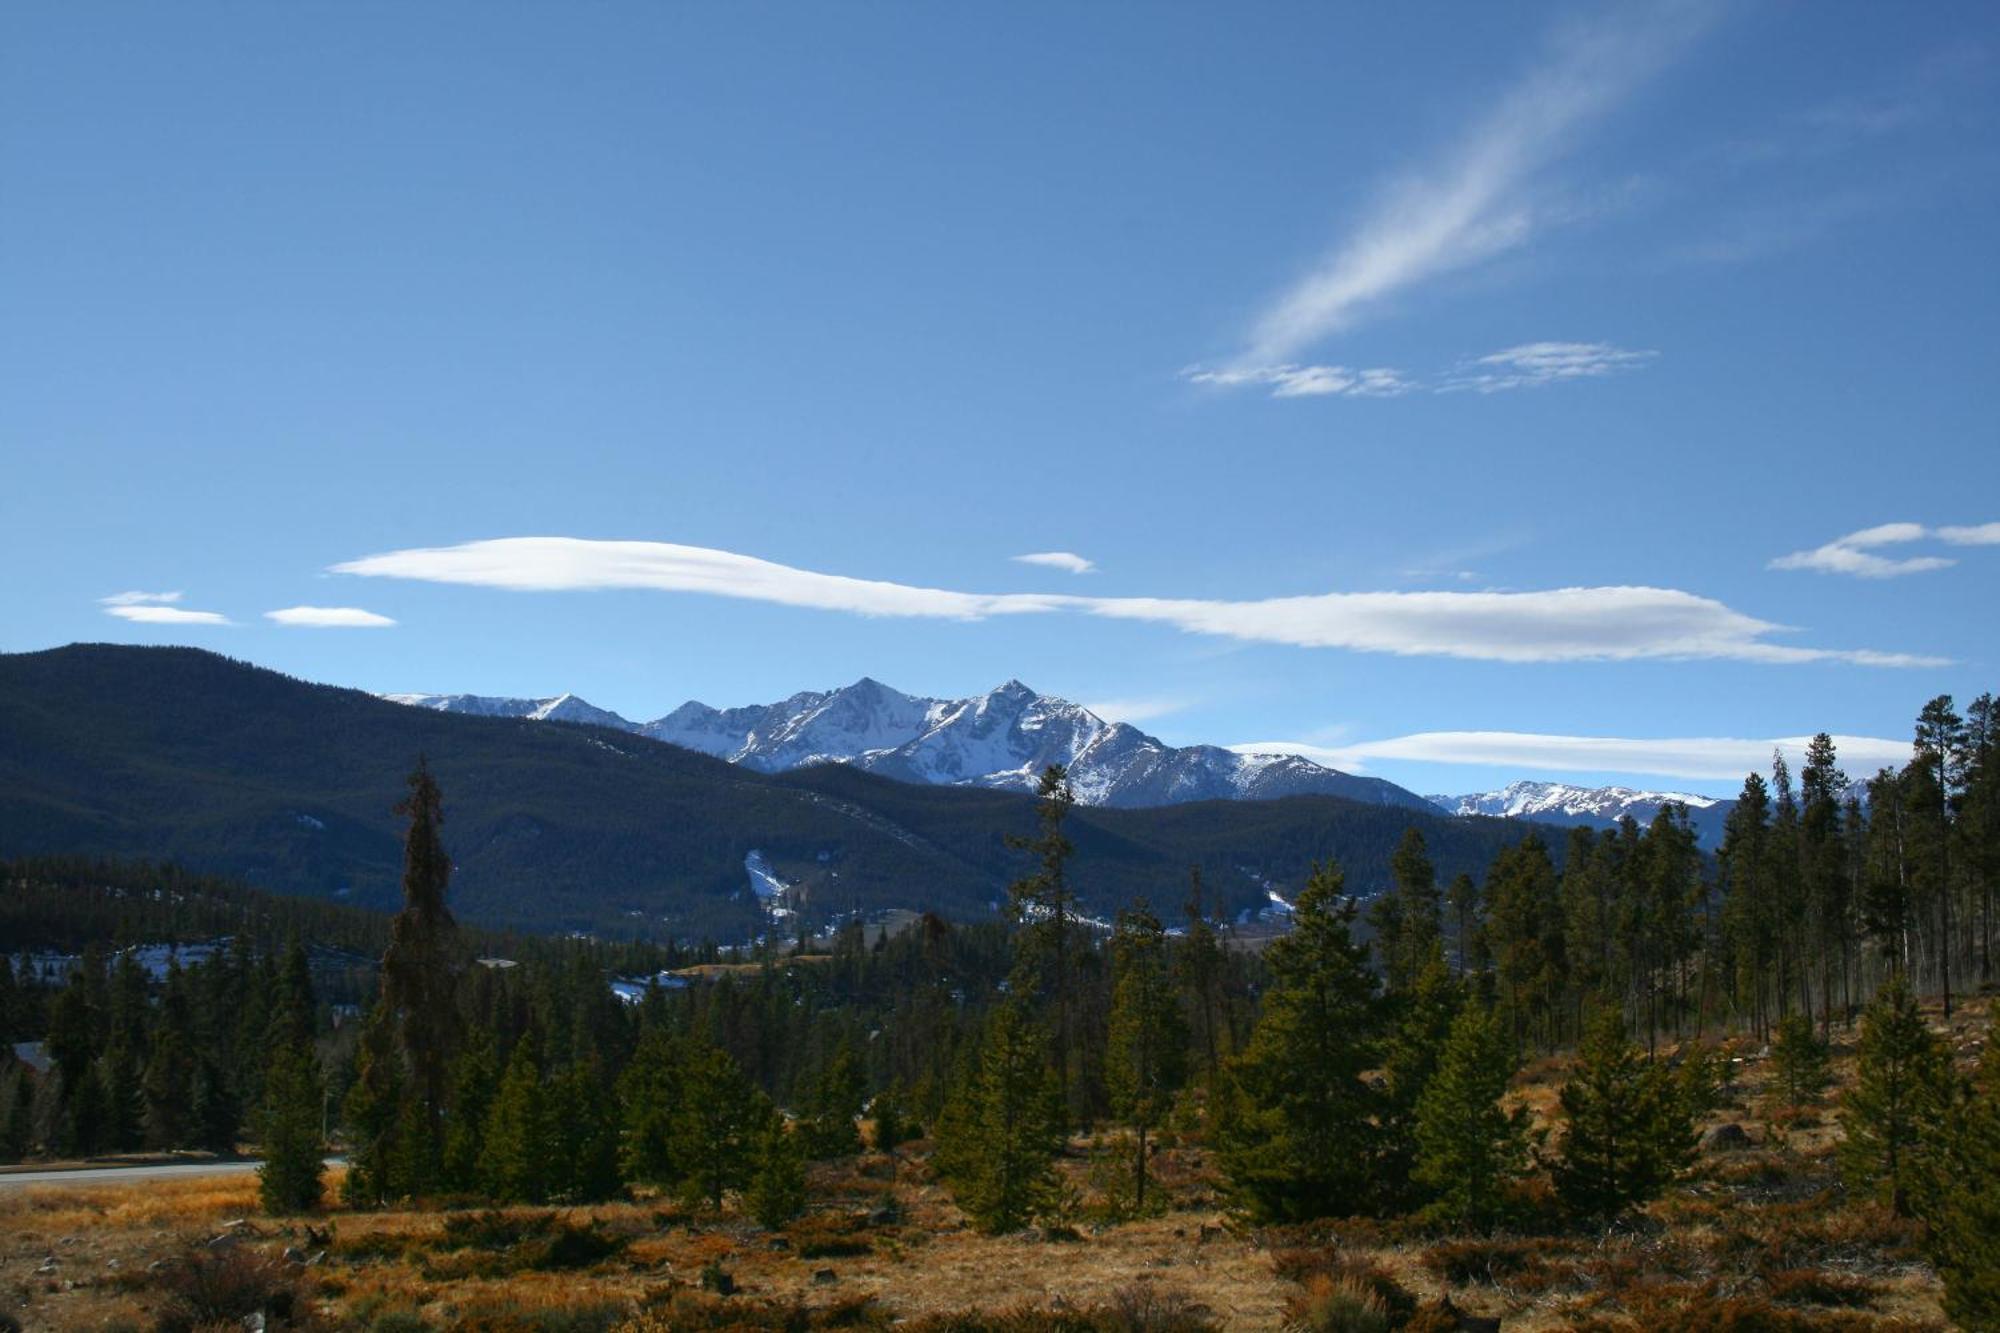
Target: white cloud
[(1066, 560), (328, 617), (1981, 534), (1290, 381), (1532, 365), (154, 614), (1477, 201), (1710, 757), (1563, 624), (138, 598), (1854, 553)]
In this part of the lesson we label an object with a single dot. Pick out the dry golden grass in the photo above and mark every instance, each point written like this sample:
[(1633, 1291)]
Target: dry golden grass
[(1757, 1235)]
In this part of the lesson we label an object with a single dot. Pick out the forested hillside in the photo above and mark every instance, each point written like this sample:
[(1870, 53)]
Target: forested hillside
[(180, 755)]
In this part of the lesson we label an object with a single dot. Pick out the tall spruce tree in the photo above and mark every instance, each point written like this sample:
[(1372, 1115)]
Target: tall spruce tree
[(418, 972), (1198, 965), (649, 1101), (1470, 1150), (1300, 1137), (291, 1123), (1044, 906), (1799, 1061), (1147, 1041), (1896, 1098), (475, 1081)]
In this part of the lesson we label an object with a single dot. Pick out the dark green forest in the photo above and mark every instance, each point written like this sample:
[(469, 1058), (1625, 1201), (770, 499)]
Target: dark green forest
[(179, 755)]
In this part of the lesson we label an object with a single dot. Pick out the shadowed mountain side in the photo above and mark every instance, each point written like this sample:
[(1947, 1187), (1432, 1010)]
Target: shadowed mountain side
[(176, 753)]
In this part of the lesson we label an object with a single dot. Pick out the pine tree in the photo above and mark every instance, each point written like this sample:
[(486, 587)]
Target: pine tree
[(514, 1161), (475, 1081), (1627, 1131), (1469, 1149), (167, 1086), (1895, 1100), (1407, 918), (583, 1149), (1147, 1042), (1043, 904), (829, 1129), (1799, 1060), (1300, 1140), (1005, 1133), (891, 1129), (290, 1178), (778, 1187), (17, 1128), (418, 977), (1964, 1239), (370, 1111), (649, 1100), (717, 1125), (1198, 965), (1423, 1022)]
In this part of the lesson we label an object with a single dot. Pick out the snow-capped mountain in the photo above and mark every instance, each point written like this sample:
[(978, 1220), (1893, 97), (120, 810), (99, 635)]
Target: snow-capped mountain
[(1003, 738), (1598, 807)]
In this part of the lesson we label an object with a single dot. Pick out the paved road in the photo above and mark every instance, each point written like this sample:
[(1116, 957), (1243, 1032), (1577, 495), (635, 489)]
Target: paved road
[(101, 1175)]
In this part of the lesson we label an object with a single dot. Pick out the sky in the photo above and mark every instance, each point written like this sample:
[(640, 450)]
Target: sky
[(1451, 393)]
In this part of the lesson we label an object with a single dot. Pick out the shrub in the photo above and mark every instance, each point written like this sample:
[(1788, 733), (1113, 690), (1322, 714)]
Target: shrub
[(229, 1285), (1812, 1286), (1337, 1305)]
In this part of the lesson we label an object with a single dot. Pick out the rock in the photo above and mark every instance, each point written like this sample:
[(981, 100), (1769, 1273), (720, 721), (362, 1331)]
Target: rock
[(778, 1244), (883, 1217), (48, 1266), (238, 1224), (1727, 1138), (294, 1255), (318, 1258), (825, 1277), (228, 1240)]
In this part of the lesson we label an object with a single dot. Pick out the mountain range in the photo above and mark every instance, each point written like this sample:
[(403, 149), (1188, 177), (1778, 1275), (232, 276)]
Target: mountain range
[(1594, 807), (175, 754), (1002, 739)]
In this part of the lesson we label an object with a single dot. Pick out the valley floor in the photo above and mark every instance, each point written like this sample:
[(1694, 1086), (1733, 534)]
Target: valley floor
[(1761, 1236)]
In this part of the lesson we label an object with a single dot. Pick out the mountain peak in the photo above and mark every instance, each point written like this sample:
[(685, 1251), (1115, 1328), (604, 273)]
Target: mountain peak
[(1002, 739)]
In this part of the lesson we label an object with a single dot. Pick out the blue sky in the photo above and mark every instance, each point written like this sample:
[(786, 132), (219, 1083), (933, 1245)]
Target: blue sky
[(1404, 373)]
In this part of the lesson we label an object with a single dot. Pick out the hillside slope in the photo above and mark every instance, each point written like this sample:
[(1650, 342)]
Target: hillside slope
[(175, 753)]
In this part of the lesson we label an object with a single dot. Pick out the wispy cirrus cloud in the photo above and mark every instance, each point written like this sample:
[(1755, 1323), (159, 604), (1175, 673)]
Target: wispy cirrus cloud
[(1526, 366), (1479, 199), (1532, 365), (1137, 709), (153, 613), (1711, 757), (1290, 381), (328, 617), (138, 598), (1068, 561), (1856, 553), (1561, 624)]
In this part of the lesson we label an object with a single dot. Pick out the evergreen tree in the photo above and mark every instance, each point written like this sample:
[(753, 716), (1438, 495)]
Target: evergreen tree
[(514, 1161), (717, 1126), (1627, 1131), (290, 1178), (649, 1099), (1895, 1101), (1005, 1133), (829, 1129), (168, 1084), (1423, 1022), (475, 1081), (1148, 1037), (1407, 918), (17, 1128), (1463, 895), (1799, 1060), (1044, 906), (891, 1129), (418, 977), (1470, 1150), (1198, 965), (1938, 768), (1300, 1140), (1964, 1239), (371, 1111), (583, 1149), (778, 1187)]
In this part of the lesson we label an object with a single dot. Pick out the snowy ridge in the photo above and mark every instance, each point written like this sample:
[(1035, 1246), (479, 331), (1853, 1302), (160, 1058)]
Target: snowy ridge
[(1001, 739), (1597, 807)]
